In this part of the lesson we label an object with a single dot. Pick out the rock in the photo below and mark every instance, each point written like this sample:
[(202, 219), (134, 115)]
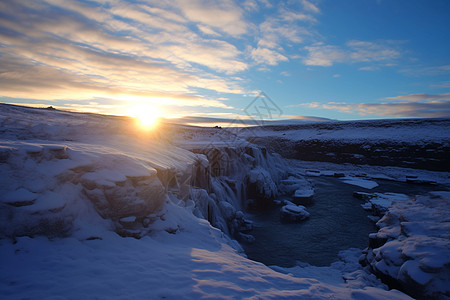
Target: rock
[(289, 185), (293, 213), (375, 241), (363, 196), (315, 173), (417, 180), (303, 196), (128, 222), (261, 187), (130, 219), (116, 196), (228, 210), (247, 238)]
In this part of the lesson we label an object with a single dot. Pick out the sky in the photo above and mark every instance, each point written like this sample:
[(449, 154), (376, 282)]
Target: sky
[(304, 59)]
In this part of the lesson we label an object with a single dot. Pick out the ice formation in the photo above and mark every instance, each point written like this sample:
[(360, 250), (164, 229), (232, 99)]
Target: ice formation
[(411, 250), (87, 203)]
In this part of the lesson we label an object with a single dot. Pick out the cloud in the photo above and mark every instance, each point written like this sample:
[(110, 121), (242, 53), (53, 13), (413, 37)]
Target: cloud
[(420, 110), (441, 85), (64, 49), (309, 6), (306, 118), (413, 105), (422, 97), (285, 27), (222, 15), (207, 30), (324, 55), (369, 68), (52, 50), (352, 52), (426, 70), (267, 56)]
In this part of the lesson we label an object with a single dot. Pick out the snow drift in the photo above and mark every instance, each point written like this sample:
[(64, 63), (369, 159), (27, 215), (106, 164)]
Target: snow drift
[(90, 207)]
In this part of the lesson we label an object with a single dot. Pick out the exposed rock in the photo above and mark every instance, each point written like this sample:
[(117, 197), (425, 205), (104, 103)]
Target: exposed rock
[(304, 196), (293, 213)]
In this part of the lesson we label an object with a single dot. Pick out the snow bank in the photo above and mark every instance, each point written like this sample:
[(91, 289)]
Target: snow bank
[(92, 208), (68, 189), (379, 203), (192, 264), (411, 250)]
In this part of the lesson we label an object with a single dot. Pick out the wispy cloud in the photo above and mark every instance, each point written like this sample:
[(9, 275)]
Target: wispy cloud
[(441, 85), (324, 55), (418, 71), (285, 27), (224, 16), (64, 49), (310, 6), (422, 97), (267, 56), (68, 49), (353, 51), (413, 105)]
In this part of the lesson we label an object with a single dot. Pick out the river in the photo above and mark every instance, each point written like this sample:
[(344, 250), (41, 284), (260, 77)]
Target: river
[(337, 222)]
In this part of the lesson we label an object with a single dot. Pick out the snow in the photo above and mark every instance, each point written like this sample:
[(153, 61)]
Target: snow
[(379, 203), (131, 219), (367, 184), (162, 266), (304, 193), (411, 130), (93, 208), (369, 172), (293, 213), (413, 248), (296, 185), (19, 197)]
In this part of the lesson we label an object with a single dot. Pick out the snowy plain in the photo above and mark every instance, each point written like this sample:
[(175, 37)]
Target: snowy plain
[(59, 239)]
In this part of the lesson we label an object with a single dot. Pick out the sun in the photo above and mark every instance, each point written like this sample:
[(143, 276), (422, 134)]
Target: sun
[(148, 116)]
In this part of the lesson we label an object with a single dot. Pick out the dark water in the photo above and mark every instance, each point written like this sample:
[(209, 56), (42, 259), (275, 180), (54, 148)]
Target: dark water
[(337, 222)]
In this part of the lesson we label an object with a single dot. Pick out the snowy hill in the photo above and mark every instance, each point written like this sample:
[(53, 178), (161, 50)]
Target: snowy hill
[(411, 143), (91, 207)]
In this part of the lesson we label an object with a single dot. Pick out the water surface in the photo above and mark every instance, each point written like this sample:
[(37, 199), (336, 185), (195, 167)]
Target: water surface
[(337, 222)]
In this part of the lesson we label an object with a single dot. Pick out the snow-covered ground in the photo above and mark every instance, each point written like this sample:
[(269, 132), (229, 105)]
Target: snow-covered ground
[(91, 207), (368, 172), (409, 143), (412, 248), (410, 130)]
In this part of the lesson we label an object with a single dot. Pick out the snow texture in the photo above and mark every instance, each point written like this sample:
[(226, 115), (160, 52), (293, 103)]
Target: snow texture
[(93, 208), (411, 250), (293, 213)]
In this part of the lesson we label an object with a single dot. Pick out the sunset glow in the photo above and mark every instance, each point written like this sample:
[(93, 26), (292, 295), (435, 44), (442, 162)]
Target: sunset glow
[(318, 58), (147, 116)]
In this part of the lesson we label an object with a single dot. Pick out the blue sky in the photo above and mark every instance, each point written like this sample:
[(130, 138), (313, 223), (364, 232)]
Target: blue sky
[(326, 58)]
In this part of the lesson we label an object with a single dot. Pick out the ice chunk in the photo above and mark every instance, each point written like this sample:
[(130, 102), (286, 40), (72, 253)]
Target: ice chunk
[(303, 196), (367, 184), (304, 193), (293, 213), (314, 173)]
